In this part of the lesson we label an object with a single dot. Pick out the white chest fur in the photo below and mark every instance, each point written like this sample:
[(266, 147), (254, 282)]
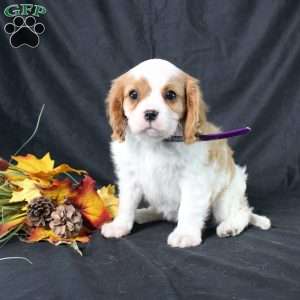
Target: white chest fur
[(159, 171), (157, 168)]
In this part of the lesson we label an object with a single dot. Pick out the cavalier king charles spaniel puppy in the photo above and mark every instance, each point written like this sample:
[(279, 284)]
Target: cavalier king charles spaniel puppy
[(180, 181)]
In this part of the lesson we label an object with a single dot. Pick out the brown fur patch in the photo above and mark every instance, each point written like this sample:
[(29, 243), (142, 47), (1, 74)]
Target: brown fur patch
[(114, 108), (143, 88), (196, 109), (219, 151), (176, 84)]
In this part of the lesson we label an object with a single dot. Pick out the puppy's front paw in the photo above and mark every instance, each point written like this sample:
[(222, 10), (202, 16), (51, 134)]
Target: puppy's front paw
[(114, 230), (183, 239)]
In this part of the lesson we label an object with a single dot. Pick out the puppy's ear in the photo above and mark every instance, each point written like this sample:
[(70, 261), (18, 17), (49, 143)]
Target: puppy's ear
[(114, 109), (196, 109)]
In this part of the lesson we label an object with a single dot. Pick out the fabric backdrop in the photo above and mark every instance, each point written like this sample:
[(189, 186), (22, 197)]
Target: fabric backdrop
[(246, 54)]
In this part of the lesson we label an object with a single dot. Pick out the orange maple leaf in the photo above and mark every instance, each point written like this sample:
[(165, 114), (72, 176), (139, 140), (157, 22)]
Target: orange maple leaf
[(90, 203), (40, 233)]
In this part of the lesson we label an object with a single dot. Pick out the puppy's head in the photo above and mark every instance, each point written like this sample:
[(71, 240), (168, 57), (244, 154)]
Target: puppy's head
[(153, 99)]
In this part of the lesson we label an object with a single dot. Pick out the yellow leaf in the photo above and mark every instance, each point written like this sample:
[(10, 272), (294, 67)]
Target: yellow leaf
[(41, 170), (31, 164), (63, 168), (29, 191), (14, 176), (108, 195)]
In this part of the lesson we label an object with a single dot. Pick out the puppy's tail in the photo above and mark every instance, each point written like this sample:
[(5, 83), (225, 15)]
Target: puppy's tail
[(260, 221)]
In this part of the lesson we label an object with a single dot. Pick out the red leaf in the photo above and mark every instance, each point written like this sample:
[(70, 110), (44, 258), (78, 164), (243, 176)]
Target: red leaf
[(90, 203)]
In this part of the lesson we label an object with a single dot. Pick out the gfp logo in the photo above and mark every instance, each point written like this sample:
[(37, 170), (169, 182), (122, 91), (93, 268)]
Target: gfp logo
[(24, 30)]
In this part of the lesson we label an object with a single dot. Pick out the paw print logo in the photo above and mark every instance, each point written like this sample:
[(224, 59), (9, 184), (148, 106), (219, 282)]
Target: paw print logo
[(24, 31)]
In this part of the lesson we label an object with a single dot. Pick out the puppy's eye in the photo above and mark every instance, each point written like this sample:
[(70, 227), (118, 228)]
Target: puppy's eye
[(133, 94), (170, 95)]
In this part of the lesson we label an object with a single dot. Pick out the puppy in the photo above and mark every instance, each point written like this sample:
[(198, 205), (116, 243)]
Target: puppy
[(181, 182)]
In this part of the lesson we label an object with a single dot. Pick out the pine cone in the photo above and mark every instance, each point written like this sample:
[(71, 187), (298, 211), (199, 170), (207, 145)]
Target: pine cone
[(39, 211), (66, 221)]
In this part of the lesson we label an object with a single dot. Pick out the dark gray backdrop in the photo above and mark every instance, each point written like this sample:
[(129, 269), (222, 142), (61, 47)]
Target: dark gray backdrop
[(246, 54)]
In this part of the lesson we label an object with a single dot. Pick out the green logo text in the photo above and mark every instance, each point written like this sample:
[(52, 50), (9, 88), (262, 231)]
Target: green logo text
[(24, 10)]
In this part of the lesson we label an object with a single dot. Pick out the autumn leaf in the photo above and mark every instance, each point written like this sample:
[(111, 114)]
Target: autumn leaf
[(41, 170), (59, 191), (108, 195), (90, 203), (29, 191), (39, 233), (31, 164), (14, 176), (63, 168), (7, 227)]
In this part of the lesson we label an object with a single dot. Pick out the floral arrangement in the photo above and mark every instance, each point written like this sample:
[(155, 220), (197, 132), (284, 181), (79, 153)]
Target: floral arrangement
[(39, 201)]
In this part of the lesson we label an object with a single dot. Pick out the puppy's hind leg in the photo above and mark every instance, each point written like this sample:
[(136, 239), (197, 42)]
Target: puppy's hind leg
[(235, 223), (232, 211), (147, 215)]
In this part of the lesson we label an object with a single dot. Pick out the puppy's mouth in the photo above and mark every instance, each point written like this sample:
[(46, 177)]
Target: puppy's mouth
[(152, 131)]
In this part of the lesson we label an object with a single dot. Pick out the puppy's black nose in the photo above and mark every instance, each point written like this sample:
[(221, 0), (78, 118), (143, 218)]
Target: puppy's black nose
[(150, 115)]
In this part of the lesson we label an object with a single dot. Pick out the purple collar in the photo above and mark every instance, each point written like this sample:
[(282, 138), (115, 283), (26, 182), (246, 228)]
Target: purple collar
[(213, 136)]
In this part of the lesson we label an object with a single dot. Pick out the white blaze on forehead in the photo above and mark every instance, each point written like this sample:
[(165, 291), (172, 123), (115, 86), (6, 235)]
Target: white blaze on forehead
[(156, 71)]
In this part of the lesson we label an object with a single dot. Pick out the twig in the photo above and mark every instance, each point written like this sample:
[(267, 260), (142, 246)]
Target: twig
[(33, 134), (71, 177), (17, 257)]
